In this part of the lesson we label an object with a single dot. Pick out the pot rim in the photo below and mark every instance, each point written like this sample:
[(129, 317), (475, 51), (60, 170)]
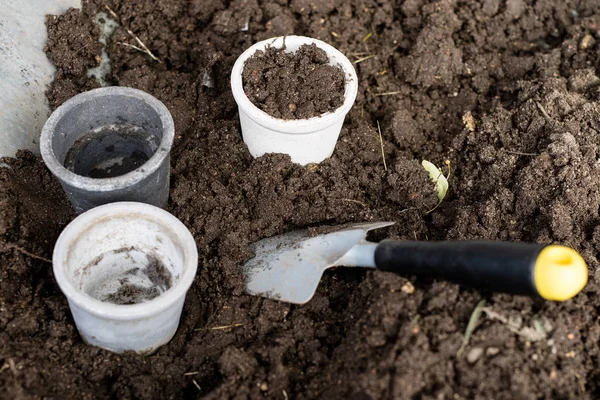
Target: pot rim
[(117, 182)]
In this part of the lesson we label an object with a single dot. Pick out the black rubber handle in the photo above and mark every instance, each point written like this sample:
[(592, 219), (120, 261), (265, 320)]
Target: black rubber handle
[(501, 267)]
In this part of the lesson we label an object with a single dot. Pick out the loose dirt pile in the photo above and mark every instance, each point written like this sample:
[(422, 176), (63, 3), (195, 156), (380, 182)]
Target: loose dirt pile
[(507, 91)]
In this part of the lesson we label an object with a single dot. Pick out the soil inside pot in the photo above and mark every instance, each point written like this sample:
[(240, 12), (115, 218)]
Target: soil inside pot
[(293, 85), (506, 91)]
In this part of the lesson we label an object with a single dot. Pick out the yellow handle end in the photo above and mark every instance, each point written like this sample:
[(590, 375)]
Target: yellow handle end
[(559, 273)]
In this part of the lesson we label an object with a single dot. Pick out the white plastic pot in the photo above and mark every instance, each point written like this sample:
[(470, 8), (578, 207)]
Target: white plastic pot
[(306, 140), (115, 247)]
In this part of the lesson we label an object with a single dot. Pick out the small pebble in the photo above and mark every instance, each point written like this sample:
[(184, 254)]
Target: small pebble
[(474, 355), (492, 351), (408, 288), (376, 339), (571, 336), (469, 121), (264, 387), (535, 357), (586, 42)]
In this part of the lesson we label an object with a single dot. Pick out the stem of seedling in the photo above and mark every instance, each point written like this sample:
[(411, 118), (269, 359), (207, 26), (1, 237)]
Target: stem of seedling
[(367, 36), (434, 208)]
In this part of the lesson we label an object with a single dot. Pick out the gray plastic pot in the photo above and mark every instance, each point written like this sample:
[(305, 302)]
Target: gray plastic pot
[(96, 110)]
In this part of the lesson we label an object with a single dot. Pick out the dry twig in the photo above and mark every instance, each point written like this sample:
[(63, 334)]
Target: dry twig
[(364, 58), (386, 94), (543, 111), (142, 47), (355, 201), (381, 142), (27, 253), (521, 153), (218, 328)]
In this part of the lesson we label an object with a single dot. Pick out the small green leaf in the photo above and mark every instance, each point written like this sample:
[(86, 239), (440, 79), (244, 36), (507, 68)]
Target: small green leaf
[(473, 321), (438, 178)]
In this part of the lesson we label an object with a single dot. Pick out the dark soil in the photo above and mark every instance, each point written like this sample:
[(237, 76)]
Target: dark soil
[(296, 85), (507, 91)]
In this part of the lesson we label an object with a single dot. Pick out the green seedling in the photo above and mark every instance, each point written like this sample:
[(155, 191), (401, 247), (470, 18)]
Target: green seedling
[(473, 322), (437, 177)]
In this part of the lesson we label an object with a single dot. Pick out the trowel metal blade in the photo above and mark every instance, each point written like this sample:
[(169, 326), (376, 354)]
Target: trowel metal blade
[(289, 267)]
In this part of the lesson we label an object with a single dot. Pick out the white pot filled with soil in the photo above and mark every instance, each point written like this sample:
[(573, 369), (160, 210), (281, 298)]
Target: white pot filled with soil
[(293, 93)]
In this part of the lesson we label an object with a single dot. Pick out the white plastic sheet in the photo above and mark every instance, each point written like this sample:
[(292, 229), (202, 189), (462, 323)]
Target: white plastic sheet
[(25, 71)]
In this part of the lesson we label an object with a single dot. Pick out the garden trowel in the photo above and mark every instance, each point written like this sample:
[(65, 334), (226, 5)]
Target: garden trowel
[(289, 267)]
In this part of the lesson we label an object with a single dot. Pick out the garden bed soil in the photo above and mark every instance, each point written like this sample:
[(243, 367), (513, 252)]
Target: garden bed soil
[(507, 91), (296, 85)]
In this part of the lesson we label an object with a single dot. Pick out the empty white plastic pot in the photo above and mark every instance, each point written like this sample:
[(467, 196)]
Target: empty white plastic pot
[(125, 269), (306, 140)]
